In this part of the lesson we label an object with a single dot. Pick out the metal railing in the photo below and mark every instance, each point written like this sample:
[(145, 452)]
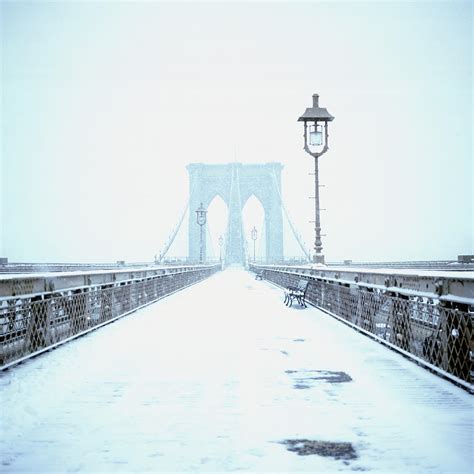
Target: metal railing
[(432, 324), (449, 265), (35, 267), (40, 312)]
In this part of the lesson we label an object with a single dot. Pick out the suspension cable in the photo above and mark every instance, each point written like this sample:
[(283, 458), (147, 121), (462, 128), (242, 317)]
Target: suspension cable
[(292, 227)]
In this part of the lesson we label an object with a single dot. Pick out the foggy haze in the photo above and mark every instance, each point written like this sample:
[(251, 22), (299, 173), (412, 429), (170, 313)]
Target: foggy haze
[(104, 104)]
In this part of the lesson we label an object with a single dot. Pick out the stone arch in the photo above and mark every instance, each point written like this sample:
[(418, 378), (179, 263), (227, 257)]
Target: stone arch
[(235, 183)]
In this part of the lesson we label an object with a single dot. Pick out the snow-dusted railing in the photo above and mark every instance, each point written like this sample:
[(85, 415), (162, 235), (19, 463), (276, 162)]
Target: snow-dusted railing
[(427, 316), (448, 265), (41, 311), (69, 267)]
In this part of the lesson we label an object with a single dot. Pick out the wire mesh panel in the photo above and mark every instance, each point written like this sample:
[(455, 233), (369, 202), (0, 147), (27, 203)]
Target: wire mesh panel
[(30, 324), (435, 332)]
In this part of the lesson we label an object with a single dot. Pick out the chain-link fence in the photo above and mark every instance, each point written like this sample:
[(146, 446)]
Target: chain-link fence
[(436, 333), (30, 324)]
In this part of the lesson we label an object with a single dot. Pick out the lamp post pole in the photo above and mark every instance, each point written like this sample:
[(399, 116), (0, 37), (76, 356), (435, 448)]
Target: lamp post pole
[(318, 244), (221, 241), (254, 238), (200, 245), (316, 119), (201, 220)]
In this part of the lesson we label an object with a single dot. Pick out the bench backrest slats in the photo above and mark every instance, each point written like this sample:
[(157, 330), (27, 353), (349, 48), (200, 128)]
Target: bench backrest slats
[(302, 285)]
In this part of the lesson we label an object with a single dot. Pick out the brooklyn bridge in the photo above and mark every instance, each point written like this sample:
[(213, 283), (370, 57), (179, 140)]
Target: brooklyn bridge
[(199, 365), (206, 266)]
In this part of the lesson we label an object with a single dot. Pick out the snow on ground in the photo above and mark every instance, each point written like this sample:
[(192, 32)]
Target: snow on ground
[(215, 378)]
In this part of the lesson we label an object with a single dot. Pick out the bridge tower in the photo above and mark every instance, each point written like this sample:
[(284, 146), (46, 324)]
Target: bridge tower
[(235, 183)]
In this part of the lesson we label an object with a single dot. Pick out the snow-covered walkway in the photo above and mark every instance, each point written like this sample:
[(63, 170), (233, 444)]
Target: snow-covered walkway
[(222, 376)]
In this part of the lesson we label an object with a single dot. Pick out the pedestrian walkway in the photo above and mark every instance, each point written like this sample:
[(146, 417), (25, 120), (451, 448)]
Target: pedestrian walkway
[(222, 376)]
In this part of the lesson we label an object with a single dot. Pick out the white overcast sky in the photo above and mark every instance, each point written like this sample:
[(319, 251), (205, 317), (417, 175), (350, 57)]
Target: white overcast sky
[(104, 104)]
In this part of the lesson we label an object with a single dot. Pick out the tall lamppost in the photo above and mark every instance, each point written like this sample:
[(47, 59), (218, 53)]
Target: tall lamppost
[(221, 241), (315, 121), (201, 220), (254, 238)]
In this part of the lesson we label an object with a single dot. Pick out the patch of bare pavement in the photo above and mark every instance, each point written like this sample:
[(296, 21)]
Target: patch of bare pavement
[(336, 450), (304, 379)]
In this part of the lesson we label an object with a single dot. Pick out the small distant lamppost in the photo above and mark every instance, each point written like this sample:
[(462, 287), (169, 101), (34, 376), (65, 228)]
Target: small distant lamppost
[(315, 121), (221, 241), (254, 238), (201, 220)]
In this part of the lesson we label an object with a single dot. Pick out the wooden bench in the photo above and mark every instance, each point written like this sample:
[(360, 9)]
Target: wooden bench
[(296, 292)]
